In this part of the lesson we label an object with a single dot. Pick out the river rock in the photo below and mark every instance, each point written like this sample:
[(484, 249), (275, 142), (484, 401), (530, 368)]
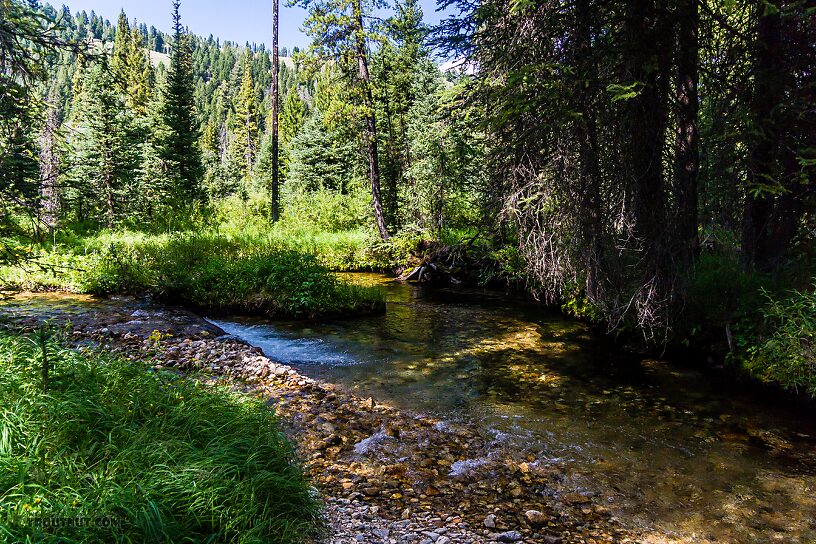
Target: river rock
[(410, 484), (509, 536), (382, 533), (536, 518)]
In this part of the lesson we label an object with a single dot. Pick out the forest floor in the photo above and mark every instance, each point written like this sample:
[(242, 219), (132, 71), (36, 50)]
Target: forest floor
[(387, 476)]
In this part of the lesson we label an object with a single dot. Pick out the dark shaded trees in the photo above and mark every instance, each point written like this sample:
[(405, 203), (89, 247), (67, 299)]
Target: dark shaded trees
[(618, 130), (780, 162)]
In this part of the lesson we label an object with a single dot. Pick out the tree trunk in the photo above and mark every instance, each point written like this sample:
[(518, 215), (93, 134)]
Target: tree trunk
[(370, 121), (590, 168), (49, 169), (687, 162), (768, 93), (275, 114), (647, 63)]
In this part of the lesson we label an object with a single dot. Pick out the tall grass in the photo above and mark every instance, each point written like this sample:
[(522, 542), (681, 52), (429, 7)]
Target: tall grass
[(210, 270), (111, 451)]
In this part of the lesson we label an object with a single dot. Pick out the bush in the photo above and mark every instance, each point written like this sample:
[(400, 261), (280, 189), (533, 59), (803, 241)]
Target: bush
[(785, 351), (722, 291), (161, 457), (328, 210)]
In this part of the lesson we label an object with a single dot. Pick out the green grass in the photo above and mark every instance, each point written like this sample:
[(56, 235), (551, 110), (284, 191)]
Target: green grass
[(211, 270), (160, 457)]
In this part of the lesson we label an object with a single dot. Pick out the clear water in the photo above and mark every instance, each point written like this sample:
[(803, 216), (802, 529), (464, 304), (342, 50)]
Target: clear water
[(672, 449)]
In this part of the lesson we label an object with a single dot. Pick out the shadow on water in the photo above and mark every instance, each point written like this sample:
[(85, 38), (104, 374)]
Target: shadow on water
[(668, 446)]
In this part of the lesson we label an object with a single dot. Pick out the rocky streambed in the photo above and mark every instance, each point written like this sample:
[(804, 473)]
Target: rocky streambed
[(387, 475)]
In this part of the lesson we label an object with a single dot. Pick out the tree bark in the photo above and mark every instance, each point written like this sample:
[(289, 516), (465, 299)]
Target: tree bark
[(50, 202), (370, 121), (687, 162), (647, 63), (768, 94), (275, 113), (590, 168)]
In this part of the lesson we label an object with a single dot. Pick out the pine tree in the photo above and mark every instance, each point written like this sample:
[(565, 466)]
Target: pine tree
[(139, 76), (121, 46), (179, 145), (50, 168), (395, 66), (340, 34), (319, 159), (26, 39), (245, 135), (292, 118), (103, 159), (275, 114)]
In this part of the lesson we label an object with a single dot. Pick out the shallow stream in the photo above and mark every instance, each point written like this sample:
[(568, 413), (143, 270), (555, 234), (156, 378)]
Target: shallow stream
[(665, 446), (668, 447)]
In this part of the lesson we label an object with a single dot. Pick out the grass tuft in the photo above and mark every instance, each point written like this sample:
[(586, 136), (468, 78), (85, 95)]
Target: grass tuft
[(112, 451)]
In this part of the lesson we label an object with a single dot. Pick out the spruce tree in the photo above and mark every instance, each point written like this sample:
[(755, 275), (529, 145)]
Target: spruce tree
[(245, 135), (103, 158), (292, 118), (179, 145), (139, 75), (340, 34), (119, 62)]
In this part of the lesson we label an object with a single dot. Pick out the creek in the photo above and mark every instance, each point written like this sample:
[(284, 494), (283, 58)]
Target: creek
[(667, 446)]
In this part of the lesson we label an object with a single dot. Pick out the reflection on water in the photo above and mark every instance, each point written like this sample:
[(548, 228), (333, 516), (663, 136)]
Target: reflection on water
[(671, 448)]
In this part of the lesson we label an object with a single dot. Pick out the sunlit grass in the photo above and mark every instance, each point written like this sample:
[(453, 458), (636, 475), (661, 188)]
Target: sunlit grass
[(111, 451), (216, 270)]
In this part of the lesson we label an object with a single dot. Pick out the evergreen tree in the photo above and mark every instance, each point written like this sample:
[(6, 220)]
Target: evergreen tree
[(275, 113), (179, 145), (139, 76), (245, 133), (292, 118), (121, 50), (27, 36), (103, 154), (50, 163), (340, 34), (395, 65), (319, 159)]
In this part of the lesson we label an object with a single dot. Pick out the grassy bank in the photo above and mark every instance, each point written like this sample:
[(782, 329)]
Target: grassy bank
[(111, 451), (211, 270)]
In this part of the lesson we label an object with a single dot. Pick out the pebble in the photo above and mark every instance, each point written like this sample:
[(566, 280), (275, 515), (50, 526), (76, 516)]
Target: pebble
[(534, 517), (399, 491)]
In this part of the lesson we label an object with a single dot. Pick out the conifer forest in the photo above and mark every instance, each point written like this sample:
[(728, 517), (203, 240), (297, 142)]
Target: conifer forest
[(523, 209)]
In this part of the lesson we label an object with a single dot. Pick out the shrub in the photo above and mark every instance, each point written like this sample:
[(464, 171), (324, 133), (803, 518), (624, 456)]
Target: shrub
[(785, 351), (224, 275)]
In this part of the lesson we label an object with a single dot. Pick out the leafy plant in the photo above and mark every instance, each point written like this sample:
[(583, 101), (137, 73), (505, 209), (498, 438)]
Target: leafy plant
[(786, 349)]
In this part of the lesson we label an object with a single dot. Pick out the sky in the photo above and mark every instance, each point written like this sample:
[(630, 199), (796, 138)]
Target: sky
[(239, 21)]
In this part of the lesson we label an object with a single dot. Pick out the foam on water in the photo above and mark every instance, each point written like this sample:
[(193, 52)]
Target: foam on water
[(367, 444), (283, 348)]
